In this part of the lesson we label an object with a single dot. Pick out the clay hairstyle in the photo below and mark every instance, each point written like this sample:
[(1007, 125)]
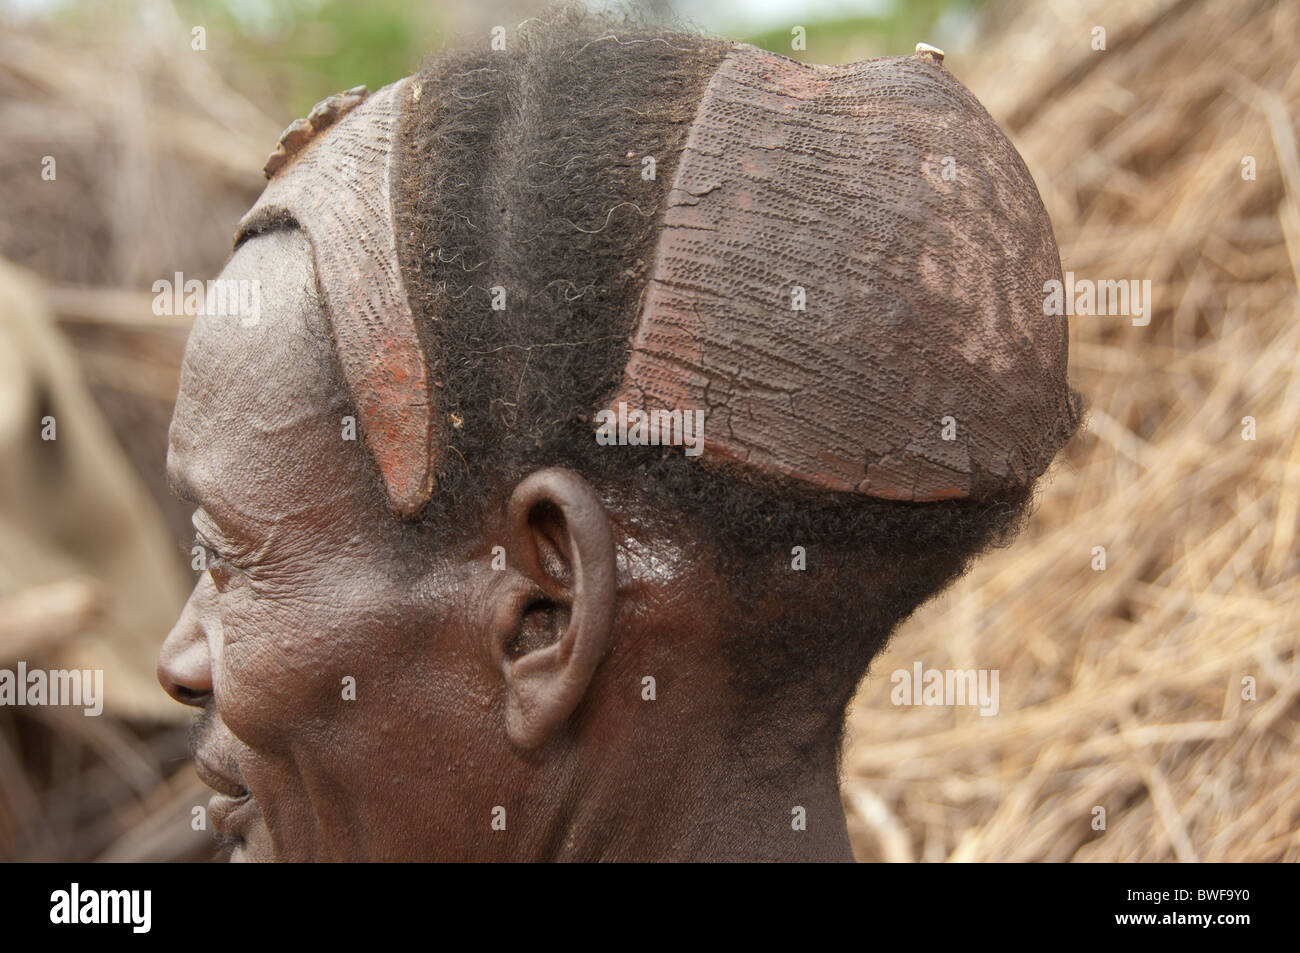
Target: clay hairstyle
[(839, 269)]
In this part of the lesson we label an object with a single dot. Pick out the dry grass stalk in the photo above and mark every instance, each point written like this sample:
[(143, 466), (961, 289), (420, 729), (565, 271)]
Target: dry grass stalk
[(1123, 688)]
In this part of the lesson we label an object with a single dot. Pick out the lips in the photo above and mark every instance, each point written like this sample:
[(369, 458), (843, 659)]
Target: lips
[(232, 810), (228, 808), (229, 815), (218, 781)]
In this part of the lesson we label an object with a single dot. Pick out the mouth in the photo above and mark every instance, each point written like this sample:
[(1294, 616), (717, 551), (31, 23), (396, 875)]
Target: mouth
[(230, 818), (219, 782), (230, 809)]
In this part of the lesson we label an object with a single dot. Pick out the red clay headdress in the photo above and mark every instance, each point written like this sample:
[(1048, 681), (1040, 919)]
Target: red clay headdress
[(882, 198), (333, 175), (848, 280)]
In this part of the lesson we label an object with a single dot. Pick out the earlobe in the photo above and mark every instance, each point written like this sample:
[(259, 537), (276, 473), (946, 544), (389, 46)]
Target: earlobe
[(562, 543)]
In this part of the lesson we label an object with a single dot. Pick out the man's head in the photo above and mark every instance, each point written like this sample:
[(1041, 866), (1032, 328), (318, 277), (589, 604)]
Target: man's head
[(476, 631)]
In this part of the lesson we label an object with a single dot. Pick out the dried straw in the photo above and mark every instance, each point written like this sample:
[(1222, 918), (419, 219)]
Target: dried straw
[(1123, 688)]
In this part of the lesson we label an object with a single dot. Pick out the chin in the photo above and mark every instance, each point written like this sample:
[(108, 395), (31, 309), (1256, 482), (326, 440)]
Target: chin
[(242, 837)]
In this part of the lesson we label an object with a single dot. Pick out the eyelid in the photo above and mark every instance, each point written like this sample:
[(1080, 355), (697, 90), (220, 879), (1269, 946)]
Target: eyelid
[(210, 552), (204, 534)]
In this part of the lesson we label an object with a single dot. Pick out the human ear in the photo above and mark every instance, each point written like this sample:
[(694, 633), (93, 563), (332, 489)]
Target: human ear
[(556, 626)]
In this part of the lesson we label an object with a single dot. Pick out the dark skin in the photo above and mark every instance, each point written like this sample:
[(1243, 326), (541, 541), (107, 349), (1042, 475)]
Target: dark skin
[(475, 687)]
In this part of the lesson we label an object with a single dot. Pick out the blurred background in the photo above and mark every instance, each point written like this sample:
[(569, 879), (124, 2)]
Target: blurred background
[(1158, 683)]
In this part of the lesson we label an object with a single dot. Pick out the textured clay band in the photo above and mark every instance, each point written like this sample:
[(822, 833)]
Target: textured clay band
[(884, 194), (333, 174)]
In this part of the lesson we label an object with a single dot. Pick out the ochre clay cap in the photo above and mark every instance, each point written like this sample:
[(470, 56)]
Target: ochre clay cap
[(849, 281)]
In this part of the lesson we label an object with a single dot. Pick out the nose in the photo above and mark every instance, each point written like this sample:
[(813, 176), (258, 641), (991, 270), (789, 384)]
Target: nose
[(184, 668)]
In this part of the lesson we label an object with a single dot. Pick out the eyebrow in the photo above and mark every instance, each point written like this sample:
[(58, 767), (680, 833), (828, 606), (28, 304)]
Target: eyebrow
[(263, 221), (180, 487)]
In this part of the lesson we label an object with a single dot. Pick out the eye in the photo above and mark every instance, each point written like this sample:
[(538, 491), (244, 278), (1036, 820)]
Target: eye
[(208, 559)]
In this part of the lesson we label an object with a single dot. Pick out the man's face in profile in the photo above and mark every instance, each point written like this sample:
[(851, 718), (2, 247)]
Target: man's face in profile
[(324, 704)]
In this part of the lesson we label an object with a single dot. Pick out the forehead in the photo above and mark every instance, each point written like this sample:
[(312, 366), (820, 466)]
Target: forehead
[(256, 432)]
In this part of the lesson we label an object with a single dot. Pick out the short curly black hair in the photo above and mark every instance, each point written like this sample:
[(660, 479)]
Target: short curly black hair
[(522, 169)]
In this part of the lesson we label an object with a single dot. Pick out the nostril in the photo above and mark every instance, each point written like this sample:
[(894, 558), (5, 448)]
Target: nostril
[(188, 696), (184, 675), (187, 691)]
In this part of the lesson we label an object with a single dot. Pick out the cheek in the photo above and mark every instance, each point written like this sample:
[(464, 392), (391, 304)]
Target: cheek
[(293, 662), (344, 667)]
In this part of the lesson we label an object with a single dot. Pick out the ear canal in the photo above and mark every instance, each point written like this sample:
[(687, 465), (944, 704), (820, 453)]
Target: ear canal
[(548, 682)]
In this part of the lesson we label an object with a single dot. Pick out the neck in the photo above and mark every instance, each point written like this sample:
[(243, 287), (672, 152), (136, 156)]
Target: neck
[(699, 802)]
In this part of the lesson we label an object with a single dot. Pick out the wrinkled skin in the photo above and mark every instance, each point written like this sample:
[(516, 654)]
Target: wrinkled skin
[(475, 688)]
